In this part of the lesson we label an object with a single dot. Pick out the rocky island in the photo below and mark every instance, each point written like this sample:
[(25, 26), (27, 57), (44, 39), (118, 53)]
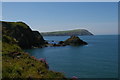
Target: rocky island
[(73, 41)]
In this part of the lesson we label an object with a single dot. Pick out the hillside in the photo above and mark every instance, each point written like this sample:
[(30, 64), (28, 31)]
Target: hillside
[(18, 64), (76, 32), (21, 32)]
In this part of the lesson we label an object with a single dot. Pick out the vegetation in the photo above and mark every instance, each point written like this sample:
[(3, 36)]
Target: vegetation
[(18, 64), (0, 59), (21, 65), (76, 32), (21, 32)]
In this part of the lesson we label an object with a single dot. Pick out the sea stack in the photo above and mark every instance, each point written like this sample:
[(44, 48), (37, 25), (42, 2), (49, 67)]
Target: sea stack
[(75, 40)]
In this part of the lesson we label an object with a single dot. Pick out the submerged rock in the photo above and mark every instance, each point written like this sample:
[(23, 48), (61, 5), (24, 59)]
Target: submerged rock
[(75, 40)]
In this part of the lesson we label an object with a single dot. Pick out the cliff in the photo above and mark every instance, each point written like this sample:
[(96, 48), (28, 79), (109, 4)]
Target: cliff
[(21, 32), (76, 32), (16, 64)]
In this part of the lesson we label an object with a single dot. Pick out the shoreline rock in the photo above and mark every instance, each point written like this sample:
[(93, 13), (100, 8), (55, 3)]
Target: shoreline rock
[(73, 41)]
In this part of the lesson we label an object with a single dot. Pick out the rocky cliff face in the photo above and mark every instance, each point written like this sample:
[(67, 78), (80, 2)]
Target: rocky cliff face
[(24, 36)]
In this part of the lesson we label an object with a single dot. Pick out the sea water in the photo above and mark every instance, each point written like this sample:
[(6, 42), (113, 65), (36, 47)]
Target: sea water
[(98, 59)]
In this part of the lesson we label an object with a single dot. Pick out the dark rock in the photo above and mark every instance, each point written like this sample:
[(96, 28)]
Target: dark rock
[(46, 65), (61, 42), (24, 36), (32, 64), (52, 40), (46, 42), (74, 40), (63, 45), (38, 39), (56, 45), (23, 67), (19, 72)]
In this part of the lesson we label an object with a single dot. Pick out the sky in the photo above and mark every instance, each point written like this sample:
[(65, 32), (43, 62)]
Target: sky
[(60, 0), (100, 18)]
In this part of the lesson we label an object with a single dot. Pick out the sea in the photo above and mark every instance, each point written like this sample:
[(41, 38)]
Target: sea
[(98, 59)]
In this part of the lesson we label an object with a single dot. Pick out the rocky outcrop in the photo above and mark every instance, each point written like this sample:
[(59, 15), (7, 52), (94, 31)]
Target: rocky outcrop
[(74, 40), (38, 39), (21, 32)]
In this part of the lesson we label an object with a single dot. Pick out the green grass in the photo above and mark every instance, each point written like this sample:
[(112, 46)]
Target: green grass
[(68, 32), (8, 48), (18, 64), (15, 24), (24, 66), (0, 58)]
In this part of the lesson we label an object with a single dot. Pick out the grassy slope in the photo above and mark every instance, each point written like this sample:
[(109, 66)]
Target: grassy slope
[(18, 64), (0, 59), (76, 31), (69, 31)]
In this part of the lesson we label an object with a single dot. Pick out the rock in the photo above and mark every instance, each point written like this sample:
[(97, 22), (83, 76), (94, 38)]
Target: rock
[(15, 55), (61, 42), (38, 39), (53, 41), (19, 72), (32, 65), (56, 45), (74, 40), (46, 42), (22, 33)]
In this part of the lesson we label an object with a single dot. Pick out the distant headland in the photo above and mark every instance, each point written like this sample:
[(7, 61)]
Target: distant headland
[(77, 32)]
